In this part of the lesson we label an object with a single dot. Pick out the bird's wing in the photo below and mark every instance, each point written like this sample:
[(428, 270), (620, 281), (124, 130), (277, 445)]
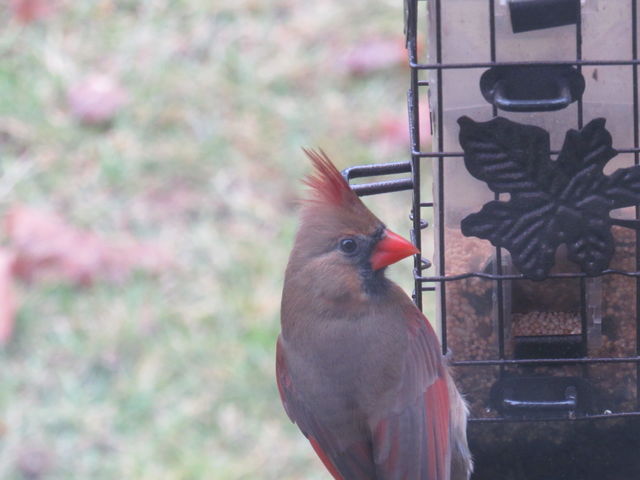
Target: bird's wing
[(412, 439), (354, 462)]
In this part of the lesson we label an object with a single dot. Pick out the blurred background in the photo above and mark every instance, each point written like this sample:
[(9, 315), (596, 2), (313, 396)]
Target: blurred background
[(150, 160)]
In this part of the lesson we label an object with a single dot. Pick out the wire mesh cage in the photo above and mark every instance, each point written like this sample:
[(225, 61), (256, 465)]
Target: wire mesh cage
[(532, 181)]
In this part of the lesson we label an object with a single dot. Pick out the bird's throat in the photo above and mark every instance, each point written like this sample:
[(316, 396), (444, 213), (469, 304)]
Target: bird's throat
[(374, 282)]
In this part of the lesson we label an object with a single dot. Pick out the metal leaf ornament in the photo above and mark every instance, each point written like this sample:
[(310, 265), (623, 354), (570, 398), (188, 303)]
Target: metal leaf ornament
[(551, 202)]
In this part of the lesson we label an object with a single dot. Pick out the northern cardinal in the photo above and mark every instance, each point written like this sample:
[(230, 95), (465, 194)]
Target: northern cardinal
[(359, 368)]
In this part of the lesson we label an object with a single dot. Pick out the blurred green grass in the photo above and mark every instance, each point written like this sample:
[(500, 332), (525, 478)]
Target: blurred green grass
[(171, 377)]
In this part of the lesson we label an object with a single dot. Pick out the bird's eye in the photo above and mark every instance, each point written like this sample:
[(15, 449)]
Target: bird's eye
[(348, 245)]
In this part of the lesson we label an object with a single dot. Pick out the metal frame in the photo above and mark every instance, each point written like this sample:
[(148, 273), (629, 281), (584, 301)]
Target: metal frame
[(428, 283)]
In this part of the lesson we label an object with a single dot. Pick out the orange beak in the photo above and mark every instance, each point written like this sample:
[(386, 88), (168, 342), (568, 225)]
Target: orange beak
[(390, 249)]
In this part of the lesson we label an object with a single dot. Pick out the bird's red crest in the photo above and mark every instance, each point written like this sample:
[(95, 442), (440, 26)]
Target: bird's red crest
[(327, 182)]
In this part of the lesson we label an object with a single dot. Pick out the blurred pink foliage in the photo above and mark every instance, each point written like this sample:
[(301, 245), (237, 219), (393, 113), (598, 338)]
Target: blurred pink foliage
[(374, 54), (96, 99), (391, 130), (43, 246), (7, 295), (27, 11)]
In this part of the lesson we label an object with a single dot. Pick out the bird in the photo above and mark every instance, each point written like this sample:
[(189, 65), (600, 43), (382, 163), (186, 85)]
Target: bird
[(359, 368)]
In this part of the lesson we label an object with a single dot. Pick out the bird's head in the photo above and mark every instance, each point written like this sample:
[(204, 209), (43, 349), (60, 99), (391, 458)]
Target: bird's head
[(339, 236)]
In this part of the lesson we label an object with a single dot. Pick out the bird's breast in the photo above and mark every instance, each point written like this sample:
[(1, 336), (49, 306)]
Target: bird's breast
[(347, 369)]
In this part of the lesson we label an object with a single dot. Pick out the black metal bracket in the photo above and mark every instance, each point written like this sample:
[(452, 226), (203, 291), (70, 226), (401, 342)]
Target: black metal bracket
[(549, 346), (535, 396), (372, 170), (529, 15), (540, 88)]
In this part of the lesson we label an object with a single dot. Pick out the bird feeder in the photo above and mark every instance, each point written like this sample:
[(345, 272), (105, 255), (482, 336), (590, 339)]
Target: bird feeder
[(532, 180)]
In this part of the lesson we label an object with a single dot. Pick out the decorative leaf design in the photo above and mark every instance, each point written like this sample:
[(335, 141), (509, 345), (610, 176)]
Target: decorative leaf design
[(502, 155), (551, 202)]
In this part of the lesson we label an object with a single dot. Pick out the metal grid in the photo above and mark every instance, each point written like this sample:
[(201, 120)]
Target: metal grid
[(427, 283)]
